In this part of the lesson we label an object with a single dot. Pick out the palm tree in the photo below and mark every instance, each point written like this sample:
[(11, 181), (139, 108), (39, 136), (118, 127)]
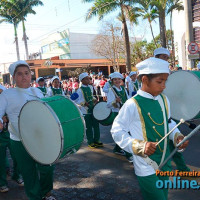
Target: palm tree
[(8, 12), (173, 5), (146, 11), (161, 7), (25, 8), (104, 7)]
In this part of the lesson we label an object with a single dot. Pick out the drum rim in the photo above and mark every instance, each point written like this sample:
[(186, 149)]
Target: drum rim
[(198, 78), (60, 128), (103, 119)]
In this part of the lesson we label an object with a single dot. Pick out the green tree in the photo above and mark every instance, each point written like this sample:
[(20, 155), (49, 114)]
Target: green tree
[(8, 13), (25, 7), (161, 7), (146, 11), (101, 8)]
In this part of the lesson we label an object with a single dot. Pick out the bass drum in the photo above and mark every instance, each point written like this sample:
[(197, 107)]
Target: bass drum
[(51, 128), (183, 92), (103, 114)]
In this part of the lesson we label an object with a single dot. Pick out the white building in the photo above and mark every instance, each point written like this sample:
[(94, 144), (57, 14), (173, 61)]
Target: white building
[(179, 27)]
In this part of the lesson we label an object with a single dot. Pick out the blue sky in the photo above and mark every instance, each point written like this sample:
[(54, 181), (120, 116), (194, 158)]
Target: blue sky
[(57, 16)]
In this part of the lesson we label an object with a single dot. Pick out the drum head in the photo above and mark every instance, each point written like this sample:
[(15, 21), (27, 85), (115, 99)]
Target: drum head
[(101, 111), (40, 132), (182, 89)]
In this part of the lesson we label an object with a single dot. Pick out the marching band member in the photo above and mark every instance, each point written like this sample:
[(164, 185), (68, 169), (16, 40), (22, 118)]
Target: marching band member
[(55, 89), (163, 53), (107, 85), (41, 85), (38, 179), (87, 101), (116, 97), (4, 144), (133, 85), (142, 121)]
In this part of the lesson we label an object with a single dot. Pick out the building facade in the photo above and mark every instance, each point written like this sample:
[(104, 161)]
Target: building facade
[(179, 26)]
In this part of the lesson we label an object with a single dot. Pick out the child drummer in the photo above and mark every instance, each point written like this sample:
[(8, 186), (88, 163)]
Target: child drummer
[(41, 85), (133, 85), (117, 96), (55, 89), (87, 101), (142, 121), (38, 179)]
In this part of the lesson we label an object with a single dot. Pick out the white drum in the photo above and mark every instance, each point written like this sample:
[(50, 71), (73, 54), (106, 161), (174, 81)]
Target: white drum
[(51, 128), (183, 92)]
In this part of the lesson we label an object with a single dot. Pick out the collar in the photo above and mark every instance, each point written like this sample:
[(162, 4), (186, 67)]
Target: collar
[(146, 95), (117, 88)]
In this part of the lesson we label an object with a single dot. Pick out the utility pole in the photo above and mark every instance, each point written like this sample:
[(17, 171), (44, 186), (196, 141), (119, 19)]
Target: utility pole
[(189, 37)]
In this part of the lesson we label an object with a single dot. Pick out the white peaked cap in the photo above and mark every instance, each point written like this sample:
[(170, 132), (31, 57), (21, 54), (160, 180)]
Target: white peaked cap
[(161, 50), (14, 65), (38, 79), (55, 77), (83, 75), (2, 87), (198, 65), (132, 73), (116, 75), (153, 66)]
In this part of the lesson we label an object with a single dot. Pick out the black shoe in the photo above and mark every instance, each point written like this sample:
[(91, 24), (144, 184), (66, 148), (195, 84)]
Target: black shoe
[(120, 152), (98, 144)]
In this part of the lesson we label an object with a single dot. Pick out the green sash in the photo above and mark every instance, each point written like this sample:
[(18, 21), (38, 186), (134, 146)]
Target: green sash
[(56, 91), (43, 89), (87, 93), (121, 94)]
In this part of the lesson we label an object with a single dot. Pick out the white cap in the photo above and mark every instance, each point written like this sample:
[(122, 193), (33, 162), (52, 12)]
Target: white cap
[(82, 76), (116, 75), (161, 50), (153, 66), (198, 65), (14, 65), (2, 87), (38, 79), (132, 73), (55, 77)]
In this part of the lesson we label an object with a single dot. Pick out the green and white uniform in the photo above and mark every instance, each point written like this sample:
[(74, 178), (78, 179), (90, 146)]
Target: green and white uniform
[(44, 90), (38, 179), (142, 119), (86, 95), (55, 91)]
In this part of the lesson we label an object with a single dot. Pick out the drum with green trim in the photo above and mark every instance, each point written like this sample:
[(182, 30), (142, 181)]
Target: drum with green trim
[(51, 128), (103, 114), (183, 92)]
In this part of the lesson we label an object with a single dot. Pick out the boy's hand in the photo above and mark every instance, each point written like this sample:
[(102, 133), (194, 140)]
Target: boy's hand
[(150, 148), (184, 145), (86, 104), (118, 99)]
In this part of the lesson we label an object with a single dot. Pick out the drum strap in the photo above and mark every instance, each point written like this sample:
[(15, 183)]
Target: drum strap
[(162, 104)]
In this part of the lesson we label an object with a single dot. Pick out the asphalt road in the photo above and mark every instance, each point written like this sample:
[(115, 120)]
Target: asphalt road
[(98, 174)]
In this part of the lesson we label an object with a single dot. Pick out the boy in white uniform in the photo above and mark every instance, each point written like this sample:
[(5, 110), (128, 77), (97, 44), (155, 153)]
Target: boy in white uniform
[(142, 122), (38, 179), (133, 85)]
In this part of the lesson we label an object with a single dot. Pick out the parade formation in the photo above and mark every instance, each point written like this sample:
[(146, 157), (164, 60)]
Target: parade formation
[(107, 116)]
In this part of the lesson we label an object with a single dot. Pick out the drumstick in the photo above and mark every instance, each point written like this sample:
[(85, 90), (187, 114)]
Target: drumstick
[(114, 92), (181, 121)]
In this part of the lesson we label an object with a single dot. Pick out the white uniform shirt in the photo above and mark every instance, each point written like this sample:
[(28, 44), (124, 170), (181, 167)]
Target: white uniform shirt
[(50, 92), (106, 87), (128, 120), (111, 98), (12, 100), (131, 88)]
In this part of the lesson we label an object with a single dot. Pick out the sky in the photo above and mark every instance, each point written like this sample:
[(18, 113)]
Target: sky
[(57, 16)]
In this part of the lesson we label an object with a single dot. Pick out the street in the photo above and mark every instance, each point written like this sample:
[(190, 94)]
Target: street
[(99, 174)]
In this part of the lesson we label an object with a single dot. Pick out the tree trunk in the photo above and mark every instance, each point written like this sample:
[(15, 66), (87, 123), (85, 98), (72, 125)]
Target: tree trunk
[(126, 40), (152, 33), (172, 40), (25, 40), (162, 29), (16, 42), (113, 49)]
